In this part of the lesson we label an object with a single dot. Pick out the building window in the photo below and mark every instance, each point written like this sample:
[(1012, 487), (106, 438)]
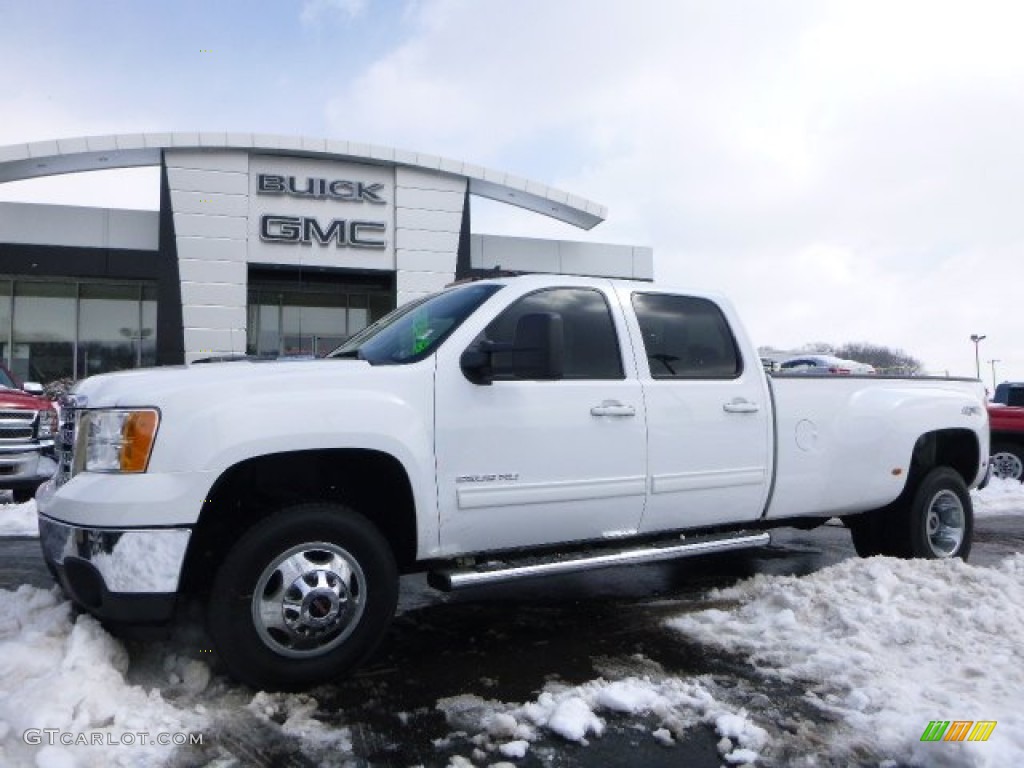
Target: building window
[(69, 329), (310, 317)]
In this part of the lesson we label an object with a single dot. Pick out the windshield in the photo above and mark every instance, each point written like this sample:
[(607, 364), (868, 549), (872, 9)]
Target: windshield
[(414, 330)]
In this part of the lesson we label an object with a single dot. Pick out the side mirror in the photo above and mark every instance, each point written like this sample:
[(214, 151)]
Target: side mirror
[(537, 352), (33, 388)]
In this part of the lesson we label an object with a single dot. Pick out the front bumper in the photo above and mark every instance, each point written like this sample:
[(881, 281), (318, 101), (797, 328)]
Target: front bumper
[(26, 467), (121, 575)]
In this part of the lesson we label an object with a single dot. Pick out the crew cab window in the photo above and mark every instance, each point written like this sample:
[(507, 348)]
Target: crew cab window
[(591, 345), (686, 337)]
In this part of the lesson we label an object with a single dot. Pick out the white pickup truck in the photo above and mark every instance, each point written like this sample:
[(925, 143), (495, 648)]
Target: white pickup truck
[(499, 429)]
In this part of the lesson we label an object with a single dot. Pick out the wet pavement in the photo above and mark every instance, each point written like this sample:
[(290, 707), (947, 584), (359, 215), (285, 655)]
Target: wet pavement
[(505, 642)]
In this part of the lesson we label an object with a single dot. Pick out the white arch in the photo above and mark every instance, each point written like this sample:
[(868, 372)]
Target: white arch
[(130, 150)]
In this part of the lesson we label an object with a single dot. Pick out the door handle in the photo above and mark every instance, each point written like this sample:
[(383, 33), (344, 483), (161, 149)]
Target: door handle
[(612, 408), (739, 405)]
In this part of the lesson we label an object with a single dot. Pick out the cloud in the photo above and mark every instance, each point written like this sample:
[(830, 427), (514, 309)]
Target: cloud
[(314, 10), (845, 171)]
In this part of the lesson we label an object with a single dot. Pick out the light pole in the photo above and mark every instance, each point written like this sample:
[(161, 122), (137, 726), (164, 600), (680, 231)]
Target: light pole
[(977, 360), (993, 364)]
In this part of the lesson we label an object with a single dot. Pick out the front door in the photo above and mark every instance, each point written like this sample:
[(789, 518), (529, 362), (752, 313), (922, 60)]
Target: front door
[(527, 462)]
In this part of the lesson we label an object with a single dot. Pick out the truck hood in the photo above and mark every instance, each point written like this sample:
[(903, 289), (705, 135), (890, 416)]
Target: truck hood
[(15, 398), (219, 382)]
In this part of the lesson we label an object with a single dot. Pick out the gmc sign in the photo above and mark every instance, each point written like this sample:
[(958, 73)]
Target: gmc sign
[(307, 230)]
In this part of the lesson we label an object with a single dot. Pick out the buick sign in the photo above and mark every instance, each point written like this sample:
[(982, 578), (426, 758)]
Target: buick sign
[(320, 189)]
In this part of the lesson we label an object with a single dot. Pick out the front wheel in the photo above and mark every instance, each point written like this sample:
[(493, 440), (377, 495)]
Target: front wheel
[(302, 598)]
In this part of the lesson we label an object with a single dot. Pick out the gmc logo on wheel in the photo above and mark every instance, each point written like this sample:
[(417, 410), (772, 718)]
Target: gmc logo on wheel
[(306, 230)]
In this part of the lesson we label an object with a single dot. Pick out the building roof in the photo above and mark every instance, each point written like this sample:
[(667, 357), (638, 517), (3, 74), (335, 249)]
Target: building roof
[(97, 153)]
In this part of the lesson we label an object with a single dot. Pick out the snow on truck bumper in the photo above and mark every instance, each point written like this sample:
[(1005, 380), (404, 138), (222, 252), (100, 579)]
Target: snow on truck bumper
[(119, 575)]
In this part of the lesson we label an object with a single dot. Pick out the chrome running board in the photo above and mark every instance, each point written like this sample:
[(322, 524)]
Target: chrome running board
[(493, 572)]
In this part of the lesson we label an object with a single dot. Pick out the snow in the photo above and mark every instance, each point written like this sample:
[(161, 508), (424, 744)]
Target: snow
[(19, 519), (577, 713), (70, 675), (999, 497), (888, 645), (63, 672)]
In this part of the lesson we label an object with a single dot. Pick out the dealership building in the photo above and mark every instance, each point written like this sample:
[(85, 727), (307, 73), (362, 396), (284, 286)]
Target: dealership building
[(262, 245)]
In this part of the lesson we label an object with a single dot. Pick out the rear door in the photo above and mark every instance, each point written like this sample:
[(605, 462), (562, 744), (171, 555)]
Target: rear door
[(709, 425), (524, 462)]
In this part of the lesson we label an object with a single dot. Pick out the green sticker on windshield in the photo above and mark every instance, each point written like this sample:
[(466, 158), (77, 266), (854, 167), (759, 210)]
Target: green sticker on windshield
[(420, 332)]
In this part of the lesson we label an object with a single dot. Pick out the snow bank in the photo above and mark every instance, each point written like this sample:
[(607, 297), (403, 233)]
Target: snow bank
[(889, 645), (1000, 497), (574, 713), (67, 675), (19, 519)]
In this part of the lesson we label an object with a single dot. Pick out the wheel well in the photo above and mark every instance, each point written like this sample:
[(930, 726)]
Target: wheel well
[(954, 448), (373, 483)]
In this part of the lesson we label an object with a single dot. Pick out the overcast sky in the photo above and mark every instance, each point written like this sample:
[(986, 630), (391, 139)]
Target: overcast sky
[(842, 171)]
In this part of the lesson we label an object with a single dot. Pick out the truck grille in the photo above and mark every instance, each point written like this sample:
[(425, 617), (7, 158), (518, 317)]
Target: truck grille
[(65, 444), (17, 426)]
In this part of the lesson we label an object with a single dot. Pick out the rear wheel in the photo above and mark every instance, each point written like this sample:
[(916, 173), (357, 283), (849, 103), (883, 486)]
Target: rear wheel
[(938, 522), (302, 598), (1007, 461), (934, 521)]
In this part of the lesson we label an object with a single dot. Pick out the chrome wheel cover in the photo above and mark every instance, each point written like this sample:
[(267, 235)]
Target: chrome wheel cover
[(945, 523), (308, 600), (1006, 464)]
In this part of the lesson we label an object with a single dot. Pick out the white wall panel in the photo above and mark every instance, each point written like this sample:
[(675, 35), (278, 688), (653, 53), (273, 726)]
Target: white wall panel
[(224, 161), (429, 199), (206, 342), (422, 240), (422, 282), (210, 271), (196, 225), (213, 249), (213, 317), (426, 261), (208, 181), (209, 203), (432, 221), (213, 294)]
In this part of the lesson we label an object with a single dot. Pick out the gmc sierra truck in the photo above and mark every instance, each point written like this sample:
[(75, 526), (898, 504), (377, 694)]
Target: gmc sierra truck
[(500, 429)]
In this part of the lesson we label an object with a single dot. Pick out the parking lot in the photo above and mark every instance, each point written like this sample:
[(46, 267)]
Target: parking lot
[(421, 699)]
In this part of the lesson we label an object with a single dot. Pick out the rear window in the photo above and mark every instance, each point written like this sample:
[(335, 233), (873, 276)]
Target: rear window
[(686, 337)]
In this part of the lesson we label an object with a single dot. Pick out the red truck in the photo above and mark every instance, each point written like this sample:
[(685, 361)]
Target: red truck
[(1006, 421), (28, 423)]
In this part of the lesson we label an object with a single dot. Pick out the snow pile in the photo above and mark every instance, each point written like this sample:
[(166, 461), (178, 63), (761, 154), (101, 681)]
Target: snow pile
[(574, 713), (295, 714), (889, 645), (19, 519), (1000, 497), (70, 676)]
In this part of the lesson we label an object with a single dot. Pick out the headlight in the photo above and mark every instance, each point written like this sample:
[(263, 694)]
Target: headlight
[(47, 424), (117, 440)]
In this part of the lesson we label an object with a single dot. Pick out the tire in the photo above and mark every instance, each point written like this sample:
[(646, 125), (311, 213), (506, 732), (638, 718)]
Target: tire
[(1007, 461), (302, 598), (872, 533), (21, 495), (938, 521)]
